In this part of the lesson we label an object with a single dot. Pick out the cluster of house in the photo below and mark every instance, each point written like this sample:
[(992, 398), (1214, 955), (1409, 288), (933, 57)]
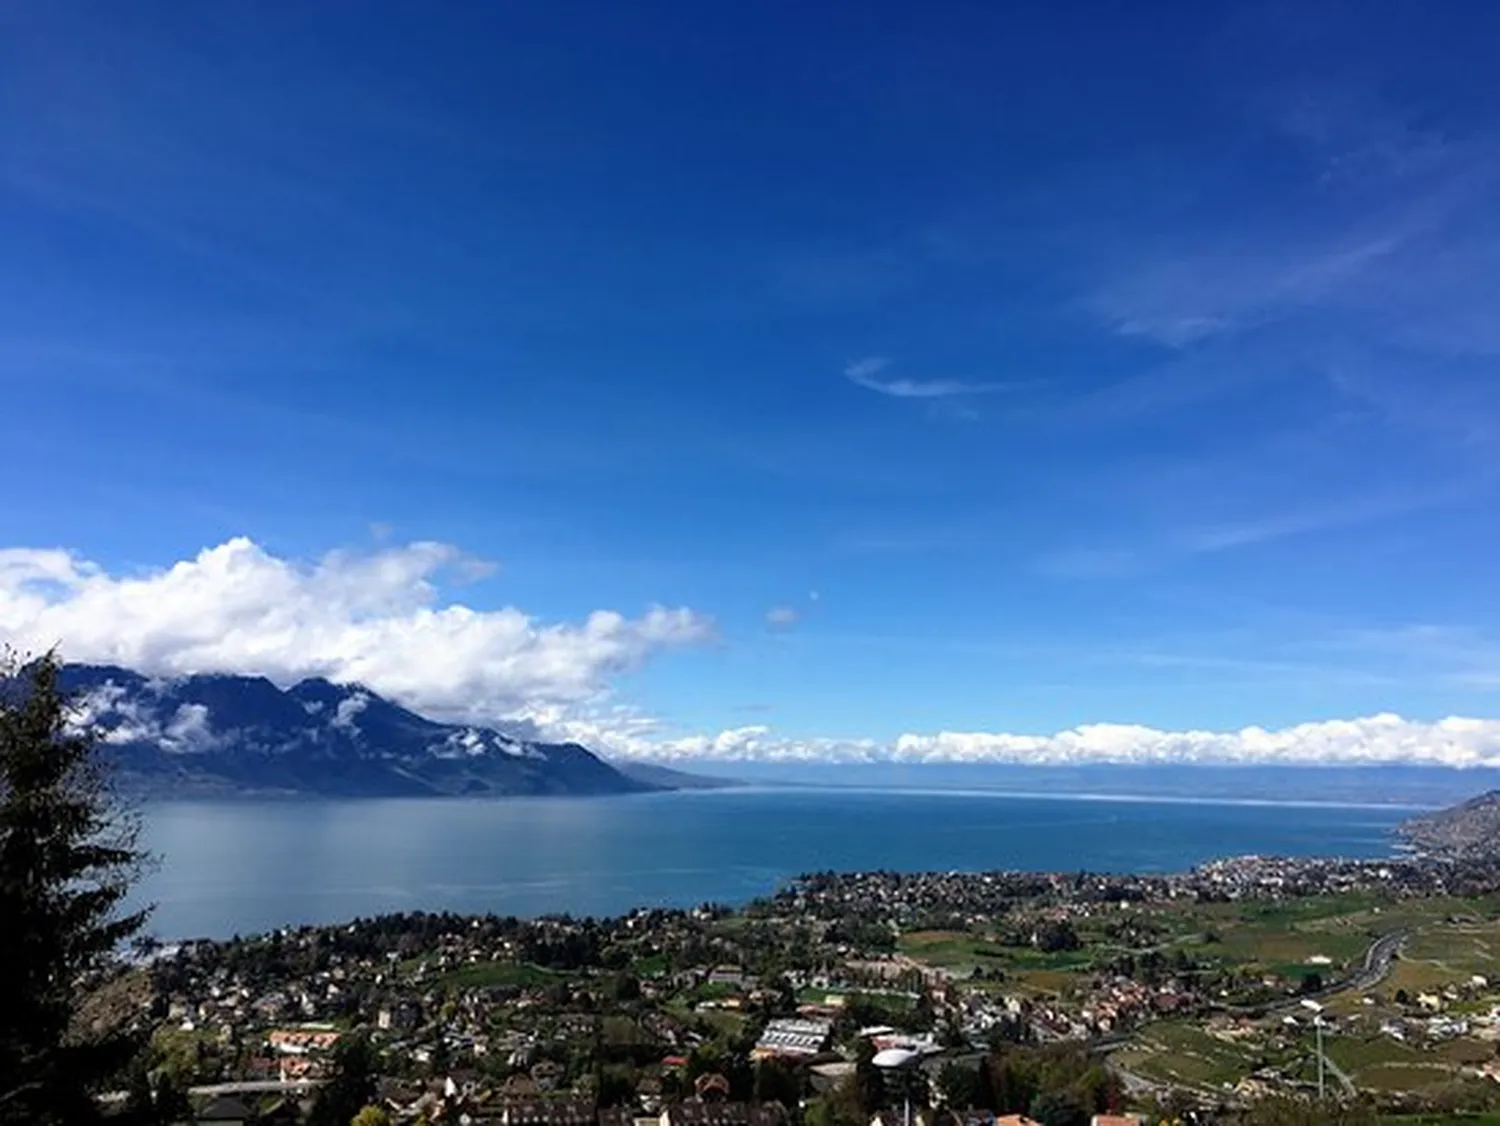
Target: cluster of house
[(947, 1116), (1121, 1002), (301, 1053), (710, 1106), (1433, 1015), (451, 1101), (977, 897), (477, 1102)]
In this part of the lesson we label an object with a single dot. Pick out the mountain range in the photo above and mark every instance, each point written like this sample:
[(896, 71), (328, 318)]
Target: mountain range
[(215, 734)]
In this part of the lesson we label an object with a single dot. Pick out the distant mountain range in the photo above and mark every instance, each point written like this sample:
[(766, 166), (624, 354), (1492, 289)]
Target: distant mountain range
[(1470, 829), (221, 735)]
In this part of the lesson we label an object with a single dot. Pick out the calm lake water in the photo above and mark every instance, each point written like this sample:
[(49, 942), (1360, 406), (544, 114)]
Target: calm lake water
[(240, 867)]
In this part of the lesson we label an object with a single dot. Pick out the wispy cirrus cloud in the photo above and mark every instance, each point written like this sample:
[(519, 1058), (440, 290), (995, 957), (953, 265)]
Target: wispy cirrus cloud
[(1401, 207), (1219, 287), (1345, 513), (1160, 549), (1461, 655), (866, 373)]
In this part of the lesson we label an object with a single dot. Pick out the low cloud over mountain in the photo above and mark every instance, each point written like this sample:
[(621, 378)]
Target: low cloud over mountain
[(218, 733), (375, 618), (382, 619)]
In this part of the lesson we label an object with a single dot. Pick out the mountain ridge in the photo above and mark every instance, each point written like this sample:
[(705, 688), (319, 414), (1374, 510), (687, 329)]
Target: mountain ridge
[(1470, 828), (224, 734)]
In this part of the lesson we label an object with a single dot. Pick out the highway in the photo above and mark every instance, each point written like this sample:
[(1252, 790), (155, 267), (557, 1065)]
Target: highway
[(1377, 963), (1371, 972)]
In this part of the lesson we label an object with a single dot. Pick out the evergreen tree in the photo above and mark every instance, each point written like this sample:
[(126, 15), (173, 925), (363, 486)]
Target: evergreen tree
[(777, 1083), (68, 854), (350, 1088), (1058, 1108), (869, 1084), (960, 1086), (158, 1102)]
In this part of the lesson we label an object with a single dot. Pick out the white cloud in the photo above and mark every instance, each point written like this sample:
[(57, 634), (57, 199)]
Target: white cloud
[(122, 720), (1381, 739), (867, 368), (637, 737), (1375, 739), (376, 618), (782, 617), (189, 729), (864, 373), (350, 707), (379, 619)]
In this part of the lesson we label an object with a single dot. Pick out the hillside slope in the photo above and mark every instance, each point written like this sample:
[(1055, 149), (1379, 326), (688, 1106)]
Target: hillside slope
[(1471, 828)]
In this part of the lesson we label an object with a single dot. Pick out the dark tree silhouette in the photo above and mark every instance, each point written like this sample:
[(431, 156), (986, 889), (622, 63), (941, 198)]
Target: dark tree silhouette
[(351, 1086), (68, 854)]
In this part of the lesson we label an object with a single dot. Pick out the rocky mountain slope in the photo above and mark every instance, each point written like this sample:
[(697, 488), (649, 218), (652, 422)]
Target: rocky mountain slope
[(217, 734), (1471, 828)]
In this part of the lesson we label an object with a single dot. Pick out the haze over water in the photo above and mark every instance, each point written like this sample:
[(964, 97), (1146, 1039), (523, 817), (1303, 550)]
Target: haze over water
[(241, 867)]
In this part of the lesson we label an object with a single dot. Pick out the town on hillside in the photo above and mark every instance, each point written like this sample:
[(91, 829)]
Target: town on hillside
[(867, 999)]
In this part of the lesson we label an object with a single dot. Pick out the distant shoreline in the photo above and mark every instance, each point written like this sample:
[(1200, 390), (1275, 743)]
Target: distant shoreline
[(152, 797)]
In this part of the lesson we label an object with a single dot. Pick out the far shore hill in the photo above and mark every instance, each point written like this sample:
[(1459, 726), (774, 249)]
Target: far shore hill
[(1471, 828)]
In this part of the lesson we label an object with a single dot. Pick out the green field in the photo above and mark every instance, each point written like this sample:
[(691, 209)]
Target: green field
[(1183, 1053), (1404, 1077), (1289, 939), (656, 965), (1357, 1055), (1449, 941), (953, 950), (482, 975), (1021, 967)]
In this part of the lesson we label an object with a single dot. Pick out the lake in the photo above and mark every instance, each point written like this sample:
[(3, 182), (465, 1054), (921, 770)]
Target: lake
[(245, 866)]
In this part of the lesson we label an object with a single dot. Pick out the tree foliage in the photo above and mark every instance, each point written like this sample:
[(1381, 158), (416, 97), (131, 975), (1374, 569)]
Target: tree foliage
[(775, 1082), (1058, 1108), (68, 855), (960, 1085), (1294, 1111), (351, 1086)]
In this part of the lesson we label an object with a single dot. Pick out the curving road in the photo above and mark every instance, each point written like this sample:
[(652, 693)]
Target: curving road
[(1372, 970), (1377, 963)]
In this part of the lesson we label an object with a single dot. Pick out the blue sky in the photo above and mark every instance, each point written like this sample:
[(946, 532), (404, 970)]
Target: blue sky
[(981, 368)]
